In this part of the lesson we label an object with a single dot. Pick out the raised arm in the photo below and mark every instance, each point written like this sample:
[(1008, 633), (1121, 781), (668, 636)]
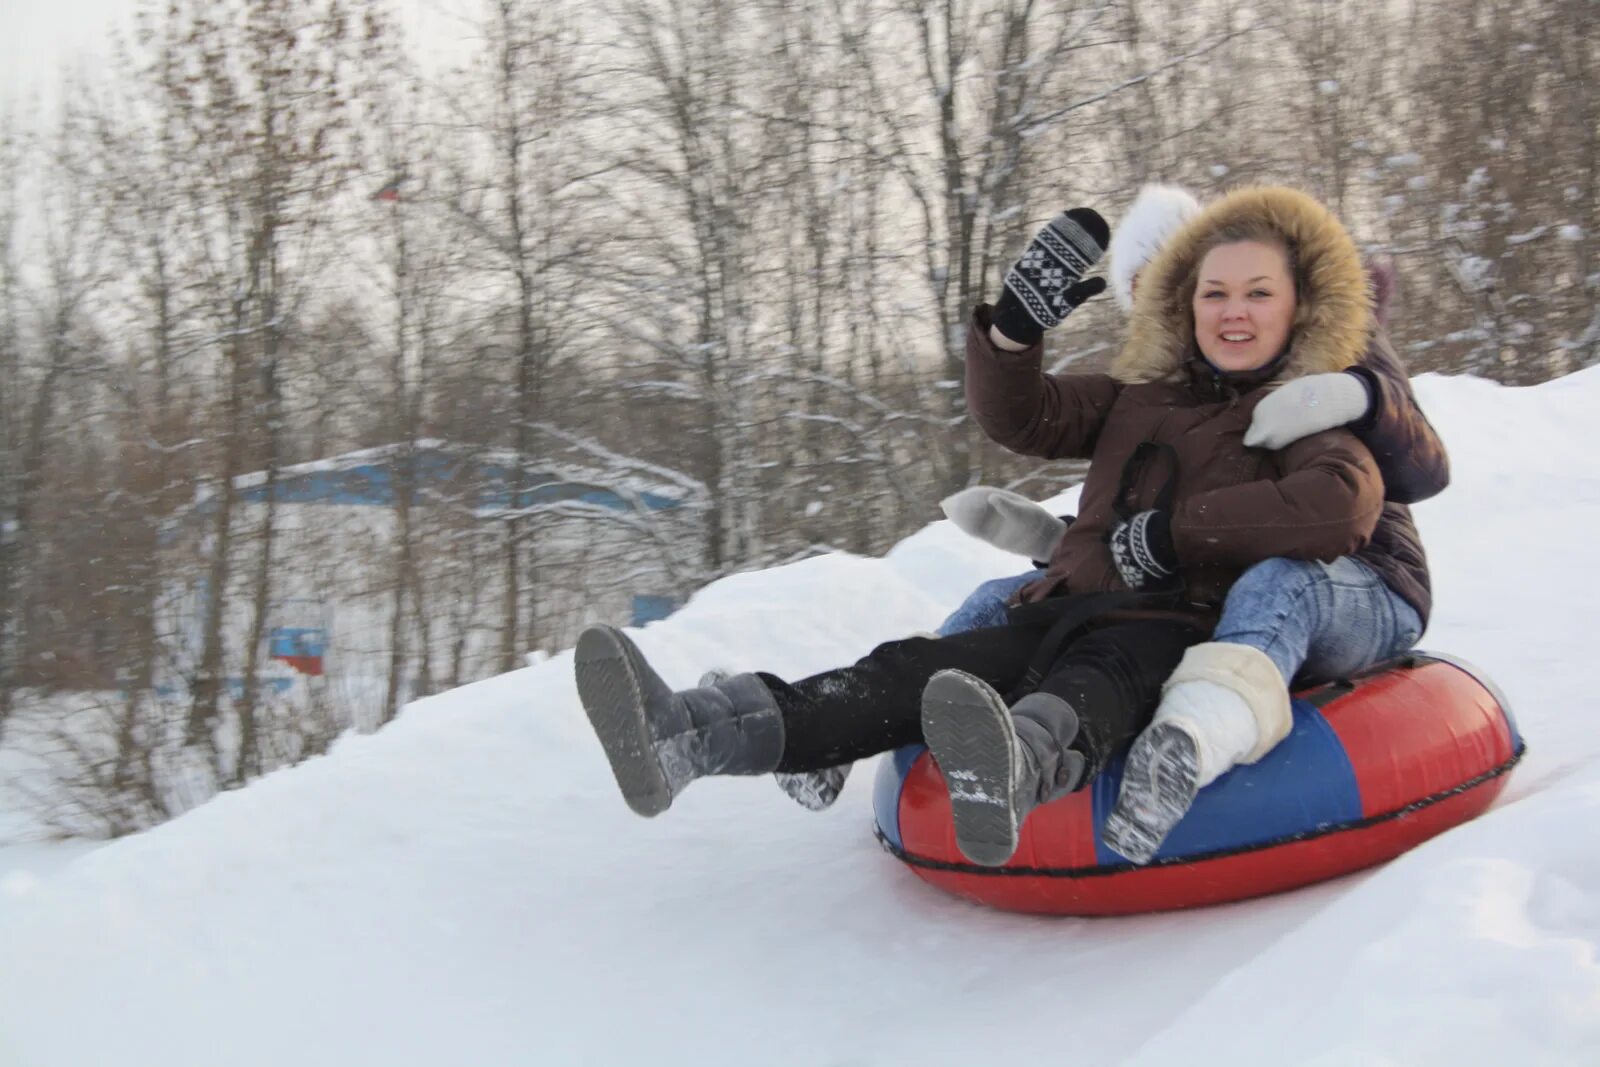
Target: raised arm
[(1008, 393), (1022, 408)]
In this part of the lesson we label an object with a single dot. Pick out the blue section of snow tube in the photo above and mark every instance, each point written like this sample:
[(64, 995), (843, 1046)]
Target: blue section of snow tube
[(1511, 724), (1305, 783), (886, 789)]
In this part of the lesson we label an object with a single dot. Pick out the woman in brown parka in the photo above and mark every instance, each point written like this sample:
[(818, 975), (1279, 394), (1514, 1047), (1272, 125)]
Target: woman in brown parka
[(1173, 509)]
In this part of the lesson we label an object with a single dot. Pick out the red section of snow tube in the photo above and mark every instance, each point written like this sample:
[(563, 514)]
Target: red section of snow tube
[(1375, 767)]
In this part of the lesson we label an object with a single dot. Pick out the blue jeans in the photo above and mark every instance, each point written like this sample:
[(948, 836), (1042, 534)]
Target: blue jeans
[(986, 605), (1317, 620), (1323, 619)]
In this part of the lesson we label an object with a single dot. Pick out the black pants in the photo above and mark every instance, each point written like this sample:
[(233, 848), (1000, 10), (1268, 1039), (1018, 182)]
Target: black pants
[(1111, 675)]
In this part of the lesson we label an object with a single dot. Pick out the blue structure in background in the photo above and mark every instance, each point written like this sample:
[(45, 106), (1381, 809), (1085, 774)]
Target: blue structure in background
[(234, 687), (300, 647), (487, 481), (648, 608), (370, 479), (290, 642)]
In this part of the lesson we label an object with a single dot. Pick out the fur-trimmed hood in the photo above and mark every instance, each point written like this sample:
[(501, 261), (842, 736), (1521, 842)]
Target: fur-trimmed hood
[(1333, 319)]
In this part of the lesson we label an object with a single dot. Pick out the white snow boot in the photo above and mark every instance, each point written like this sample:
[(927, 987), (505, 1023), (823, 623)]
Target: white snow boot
[(998, 763), (658, 741), (1226, 704)]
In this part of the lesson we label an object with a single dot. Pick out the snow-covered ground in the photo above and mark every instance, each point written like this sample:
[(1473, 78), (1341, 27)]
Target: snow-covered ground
[(466, 887)]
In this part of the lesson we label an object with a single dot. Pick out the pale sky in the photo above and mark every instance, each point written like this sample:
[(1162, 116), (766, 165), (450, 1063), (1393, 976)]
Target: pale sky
[(40, 40)]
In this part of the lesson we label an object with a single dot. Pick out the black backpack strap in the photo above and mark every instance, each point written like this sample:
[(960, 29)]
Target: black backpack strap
[(1072, 615), (1144, 454)]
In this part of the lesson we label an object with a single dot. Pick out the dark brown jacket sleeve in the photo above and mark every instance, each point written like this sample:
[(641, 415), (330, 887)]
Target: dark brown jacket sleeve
[(1325, 505), (1022, 408), (1410, 455)]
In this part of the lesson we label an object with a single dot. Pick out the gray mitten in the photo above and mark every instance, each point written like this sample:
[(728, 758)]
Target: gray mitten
[(1304, 406), (1006, 520)]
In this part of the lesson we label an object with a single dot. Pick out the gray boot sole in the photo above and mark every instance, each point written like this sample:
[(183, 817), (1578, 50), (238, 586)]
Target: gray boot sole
[(609, 671), (1159, 783), (968, 728)]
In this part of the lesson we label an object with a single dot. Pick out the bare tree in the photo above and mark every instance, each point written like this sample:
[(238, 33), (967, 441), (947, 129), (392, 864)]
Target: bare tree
[(10, 439), (417, 263), (57, 351), (686, 278), (251, 94), (1489, 208), (519, 195)]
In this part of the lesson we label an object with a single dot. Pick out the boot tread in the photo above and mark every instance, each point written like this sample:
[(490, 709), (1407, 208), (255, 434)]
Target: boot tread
[(1159, 783), (612, 692), (968, 728)]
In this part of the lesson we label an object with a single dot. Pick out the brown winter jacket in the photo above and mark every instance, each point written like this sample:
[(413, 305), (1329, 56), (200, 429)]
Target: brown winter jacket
[(1163, 417), (1410, 455), (1414, 466)]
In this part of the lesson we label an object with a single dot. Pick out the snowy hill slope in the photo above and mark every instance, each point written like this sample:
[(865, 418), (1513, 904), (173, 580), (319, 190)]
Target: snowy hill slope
[(465, 887)]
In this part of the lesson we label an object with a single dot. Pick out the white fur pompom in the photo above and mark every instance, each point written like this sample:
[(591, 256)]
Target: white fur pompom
[(1155, 216)]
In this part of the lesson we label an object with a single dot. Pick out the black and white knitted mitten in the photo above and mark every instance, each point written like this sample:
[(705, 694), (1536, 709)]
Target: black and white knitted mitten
[(1141, 547), (1045, 284)]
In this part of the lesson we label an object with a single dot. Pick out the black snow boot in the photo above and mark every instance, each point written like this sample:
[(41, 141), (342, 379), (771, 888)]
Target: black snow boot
[(998, 763), (659, 741)]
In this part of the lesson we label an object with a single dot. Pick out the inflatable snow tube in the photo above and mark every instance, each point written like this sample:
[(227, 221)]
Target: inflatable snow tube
[(1374, 766)]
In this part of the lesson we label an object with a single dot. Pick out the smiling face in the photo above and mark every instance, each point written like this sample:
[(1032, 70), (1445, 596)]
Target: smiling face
[(1244, 305)]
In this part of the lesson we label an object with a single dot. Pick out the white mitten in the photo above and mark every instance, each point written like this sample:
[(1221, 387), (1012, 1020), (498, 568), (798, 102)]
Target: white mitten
[(1005, 519), (1305, 406)]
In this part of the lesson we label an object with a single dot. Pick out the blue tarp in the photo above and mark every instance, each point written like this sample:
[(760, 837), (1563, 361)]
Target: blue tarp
[(372, 484)]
